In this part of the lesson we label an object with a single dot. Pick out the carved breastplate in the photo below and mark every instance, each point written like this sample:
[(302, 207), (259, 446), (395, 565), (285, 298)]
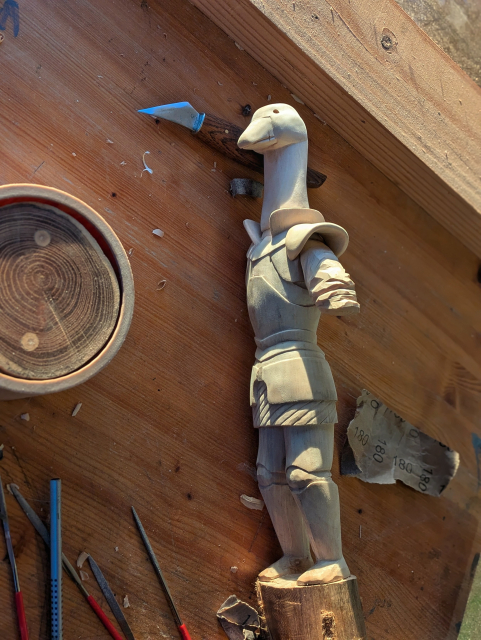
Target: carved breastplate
[(280, 307)]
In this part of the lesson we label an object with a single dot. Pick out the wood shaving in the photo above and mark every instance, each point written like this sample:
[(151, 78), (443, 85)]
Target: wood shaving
[(158, 232), (296, 98), (77, 408), (25, 416), (238, 46), (126, 602), (219, 83), (84, 575), (123, 163), (109, 141), (81, 559), (161, 285), (252, 503), (145, 164)]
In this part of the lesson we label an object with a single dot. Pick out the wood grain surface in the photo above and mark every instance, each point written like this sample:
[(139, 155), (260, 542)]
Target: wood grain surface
[(166, 426), (60, 295), (374, 76)]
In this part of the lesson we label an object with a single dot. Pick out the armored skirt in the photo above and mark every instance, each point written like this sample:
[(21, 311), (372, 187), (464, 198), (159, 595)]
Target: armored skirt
[(292, 386)]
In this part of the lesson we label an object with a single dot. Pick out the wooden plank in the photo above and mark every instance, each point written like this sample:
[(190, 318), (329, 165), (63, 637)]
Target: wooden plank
[(166, 426), (408, 108)]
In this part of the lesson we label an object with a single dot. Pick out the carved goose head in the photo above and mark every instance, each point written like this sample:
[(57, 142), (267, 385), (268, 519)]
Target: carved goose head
[(273, 127)]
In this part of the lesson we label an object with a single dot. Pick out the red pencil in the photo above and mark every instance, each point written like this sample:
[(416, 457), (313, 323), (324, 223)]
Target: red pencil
[(22, 622)]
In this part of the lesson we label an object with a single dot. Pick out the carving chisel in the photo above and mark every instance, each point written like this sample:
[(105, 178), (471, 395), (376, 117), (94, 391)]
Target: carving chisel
[(22, 622), (109, 596), (184, 634), (44, 534), (221, 135)]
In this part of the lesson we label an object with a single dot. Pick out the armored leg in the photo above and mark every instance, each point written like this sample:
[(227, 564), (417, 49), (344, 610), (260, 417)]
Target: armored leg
[(309, 452), (284, 512)]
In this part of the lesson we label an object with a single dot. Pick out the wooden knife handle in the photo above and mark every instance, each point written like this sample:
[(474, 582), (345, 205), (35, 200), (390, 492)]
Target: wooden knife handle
[(222, 136)]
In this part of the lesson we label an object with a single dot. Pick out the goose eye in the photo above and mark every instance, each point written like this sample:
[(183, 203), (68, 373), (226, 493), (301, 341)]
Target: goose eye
[(276, 111)]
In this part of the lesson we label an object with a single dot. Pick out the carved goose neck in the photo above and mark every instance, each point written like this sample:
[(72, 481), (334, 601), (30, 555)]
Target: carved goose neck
[(285, 172)]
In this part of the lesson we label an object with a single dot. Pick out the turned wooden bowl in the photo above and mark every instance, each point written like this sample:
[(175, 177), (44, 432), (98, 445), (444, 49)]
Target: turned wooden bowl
[(66, 291)]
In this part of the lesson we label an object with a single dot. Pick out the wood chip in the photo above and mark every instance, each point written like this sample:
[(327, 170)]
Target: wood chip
[(25, 416), (84, 575), (296, 98), (126, 602), (77, 408), (158, 232), (109, 141), (145, 164), (252, 503), (161, 285), (81, 559), (234, 569)]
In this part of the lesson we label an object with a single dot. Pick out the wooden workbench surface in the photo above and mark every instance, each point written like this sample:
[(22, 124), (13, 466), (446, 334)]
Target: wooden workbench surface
[(166, 426)]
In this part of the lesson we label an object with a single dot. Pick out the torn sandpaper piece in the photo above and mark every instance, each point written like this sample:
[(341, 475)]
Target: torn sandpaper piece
[(383, 448), (246, 187), (239, 620)]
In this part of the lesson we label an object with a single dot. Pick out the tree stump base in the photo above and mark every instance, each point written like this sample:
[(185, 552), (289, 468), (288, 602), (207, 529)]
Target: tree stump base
[(317, 612)]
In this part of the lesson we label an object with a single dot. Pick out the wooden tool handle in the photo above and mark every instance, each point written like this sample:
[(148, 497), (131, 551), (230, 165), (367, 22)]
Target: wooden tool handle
[(22, 621), (222, 136)]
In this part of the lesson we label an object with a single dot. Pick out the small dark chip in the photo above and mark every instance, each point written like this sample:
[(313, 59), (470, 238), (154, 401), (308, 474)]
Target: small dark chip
[(246, 110)]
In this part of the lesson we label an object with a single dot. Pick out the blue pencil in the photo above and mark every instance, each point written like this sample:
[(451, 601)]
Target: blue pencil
[(56, 557)]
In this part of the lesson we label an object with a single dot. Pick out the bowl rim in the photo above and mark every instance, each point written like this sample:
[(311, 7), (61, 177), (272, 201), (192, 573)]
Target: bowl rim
[(113, 248)]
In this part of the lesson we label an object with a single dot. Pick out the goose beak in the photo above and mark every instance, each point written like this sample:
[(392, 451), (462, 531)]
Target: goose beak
[(259, 135)]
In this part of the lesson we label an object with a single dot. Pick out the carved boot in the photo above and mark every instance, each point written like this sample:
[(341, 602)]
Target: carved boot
[(319, 503), (291, 532)]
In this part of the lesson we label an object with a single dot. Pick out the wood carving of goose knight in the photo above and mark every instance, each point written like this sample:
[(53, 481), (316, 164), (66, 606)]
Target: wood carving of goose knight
[(293, 277)]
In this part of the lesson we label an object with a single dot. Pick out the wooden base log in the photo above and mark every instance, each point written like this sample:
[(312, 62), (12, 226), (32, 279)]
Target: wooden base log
[(318, 612)]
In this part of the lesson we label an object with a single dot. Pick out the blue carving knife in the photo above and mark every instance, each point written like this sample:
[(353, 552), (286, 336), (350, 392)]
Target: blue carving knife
[(221, 135)]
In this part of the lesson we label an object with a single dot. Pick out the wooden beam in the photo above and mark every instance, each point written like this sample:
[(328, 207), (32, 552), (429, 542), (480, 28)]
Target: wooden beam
[(374, 76)]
